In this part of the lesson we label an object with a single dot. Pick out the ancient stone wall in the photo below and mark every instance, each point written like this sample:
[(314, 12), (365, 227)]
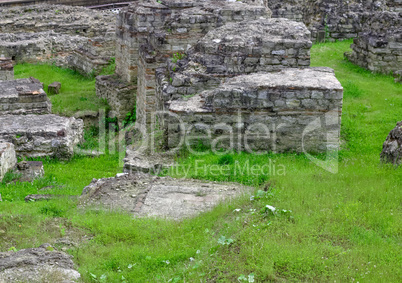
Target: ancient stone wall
[(263, 111), (119, 94), (148, 33), (6, 69), (379, 46), (74, 37), (330, 19), (41, 135), (59, 2), (8, 159), (23, 96)]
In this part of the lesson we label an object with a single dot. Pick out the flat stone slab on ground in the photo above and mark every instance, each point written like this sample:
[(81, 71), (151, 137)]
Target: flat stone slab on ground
[(146, 195), (41, 264), (42, 135), (8, 158), (23, 96)]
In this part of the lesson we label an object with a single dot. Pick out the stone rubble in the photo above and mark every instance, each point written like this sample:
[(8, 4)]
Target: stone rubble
[(392, 147)]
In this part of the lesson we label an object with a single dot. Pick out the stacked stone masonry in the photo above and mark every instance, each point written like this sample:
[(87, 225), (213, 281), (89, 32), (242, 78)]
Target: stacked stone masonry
[(74, 37), (23, 96), (6, 69), (41, 135), (331, 19), (379, 46), (148, 33), (262, 111), (8, 159), (120, 95)]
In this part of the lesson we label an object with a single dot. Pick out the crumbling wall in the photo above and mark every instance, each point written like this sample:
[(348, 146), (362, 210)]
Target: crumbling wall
[(23, 96), (148, 33), (6, 69), (74, 37), (379, 46), (119, 94), (330, 19)]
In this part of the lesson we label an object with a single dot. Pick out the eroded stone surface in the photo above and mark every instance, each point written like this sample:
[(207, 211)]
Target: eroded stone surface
[(245, 112), (23, 96), (379, 46), (136, 161), (392, 147), (145, 195), (41, 264), (41, 135), (6, 69), (28, 171), (73, 37), (8, 158)]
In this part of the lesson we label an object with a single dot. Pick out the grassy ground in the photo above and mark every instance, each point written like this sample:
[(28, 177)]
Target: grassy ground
[(343, 227), (77, 92)]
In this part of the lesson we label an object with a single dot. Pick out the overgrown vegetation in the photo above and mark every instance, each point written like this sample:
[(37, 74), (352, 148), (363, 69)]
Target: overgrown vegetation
[(77, 92), (300, 224)]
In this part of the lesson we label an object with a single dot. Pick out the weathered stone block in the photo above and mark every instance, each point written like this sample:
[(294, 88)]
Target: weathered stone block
[(271, 122), (8, 159), (41, 135), (392, 147), (23, 96), (6, 69), (54, 88)]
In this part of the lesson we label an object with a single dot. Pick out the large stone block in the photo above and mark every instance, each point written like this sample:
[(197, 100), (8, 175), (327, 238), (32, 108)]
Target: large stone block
[(8, 159), (23, 96), (291, 110), (6, 69), (392, 147), (42, 135)]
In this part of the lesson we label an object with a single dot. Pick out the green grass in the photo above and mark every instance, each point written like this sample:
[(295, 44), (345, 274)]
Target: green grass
[(343, 227), (77, 92)]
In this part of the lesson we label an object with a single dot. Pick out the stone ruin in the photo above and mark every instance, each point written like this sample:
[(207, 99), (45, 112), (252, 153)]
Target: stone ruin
[(8, 158), (392, 147), (215, 62), (331, 19), (73, 37), (23, 96), (42, 264), (378, 47), (41, 135), (6, 69), (146, 195)]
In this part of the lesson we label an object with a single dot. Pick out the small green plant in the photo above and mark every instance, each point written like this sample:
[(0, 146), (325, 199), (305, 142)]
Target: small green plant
[(178, 56), (57, 12), (130, 118), (226, 159)]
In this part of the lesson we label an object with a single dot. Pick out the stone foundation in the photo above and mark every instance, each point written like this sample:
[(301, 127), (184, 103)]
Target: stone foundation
[(70, 37), (41, 135), (6, 69), (291, 110), (120, 95), (23, 96), (378, 47), (8, 159)]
